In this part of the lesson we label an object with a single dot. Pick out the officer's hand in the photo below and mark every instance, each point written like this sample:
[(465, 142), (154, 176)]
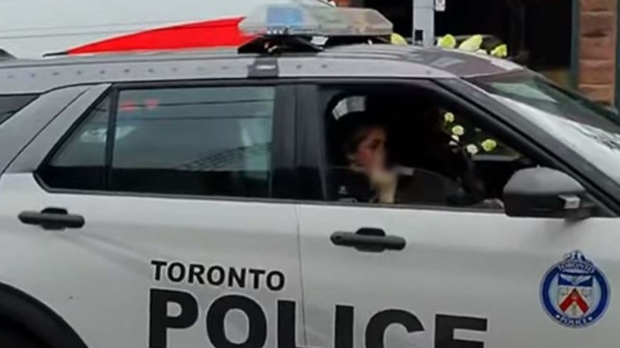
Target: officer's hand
[(385, 184)]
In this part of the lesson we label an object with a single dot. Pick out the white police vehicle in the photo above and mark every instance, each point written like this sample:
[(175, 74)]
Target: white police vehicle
[(189, 199)]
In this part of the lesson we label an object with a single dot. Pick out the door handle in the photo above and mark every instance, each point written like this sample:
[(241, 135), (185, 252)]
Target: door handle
[(52, 219), (368, 239)]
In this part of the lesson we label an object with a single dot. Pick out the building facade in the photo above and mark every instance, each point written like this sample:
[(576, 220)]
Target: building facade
[(597, 49), (590, 49)]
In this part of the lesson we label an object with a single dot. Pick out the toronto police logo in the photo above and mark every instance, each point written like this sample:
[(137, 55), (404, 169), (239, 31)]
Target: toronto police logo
[(575, 292)]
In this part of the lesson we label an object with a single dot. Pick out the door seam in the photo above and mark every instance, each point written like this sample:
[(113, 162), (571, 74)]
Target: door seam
[(301, 278)]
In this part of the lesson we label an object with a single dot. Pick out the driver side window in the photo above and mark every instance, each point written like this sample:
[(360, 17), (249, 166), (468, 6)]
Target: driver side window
[(393, 145), (474, 140)]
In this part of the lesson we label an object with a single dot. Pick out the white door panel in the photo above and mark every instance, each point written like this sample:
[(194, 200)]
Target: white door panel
[(486, 267), (98, 278)]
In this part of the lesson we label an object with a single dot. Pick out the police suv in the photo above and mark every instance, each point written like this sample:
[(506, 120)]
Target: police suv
[(191, 199)]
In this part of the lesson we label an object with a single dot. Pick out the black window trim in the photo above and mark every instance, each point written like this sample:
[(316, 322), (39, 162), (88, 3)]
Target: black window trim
[(283, 155), (29, 97), (110, 138), (517, 132), (66, 136), (49, 111)]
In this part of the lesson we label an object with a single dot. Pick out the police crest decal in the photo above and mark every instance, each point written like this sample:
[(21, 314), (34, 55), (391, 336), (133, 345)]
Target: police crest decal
[(574, 292)]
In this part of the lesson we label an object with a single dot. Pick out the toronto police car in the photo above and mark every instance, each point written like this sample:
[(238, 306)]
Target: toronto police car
[(208, 199)]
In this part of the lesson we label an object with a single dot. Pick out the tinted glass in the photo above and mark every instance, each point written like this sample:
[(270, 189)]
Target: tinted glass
[(205, 141), (11, 104), (79, 162), (589, 129), (533, 90), (193, 141)]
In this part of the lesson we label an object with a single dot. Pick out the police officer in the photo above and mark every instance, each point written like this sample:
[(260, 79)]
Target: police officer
[(366, 176)]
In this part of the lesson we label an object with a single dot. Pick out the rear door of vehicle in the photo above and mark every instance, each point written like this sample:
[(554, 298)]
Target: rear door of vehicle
[(448, 277), (155, 217)]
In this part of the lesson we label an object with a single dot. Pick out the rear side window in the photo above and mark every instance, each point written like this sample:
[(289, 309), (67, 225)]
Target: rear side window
[(11, 104), (192, 141), (80, 162)]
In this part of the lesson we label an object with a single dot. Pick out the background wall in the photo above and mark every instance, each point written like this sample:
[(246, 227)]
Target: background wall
[(597, 49)]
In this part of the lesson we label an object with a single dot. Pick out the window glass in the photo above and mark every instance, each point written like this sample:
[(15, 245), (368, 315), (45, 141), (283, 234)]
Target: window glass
[(474, 140), (79, 162), (592, 131), (11, 104), (209, 141), (194, 141), (396, 145), (532, 90)]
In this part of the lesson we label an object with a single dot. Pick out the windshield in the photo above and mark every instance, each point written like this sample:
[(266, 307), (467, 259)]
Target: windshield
[(586, 127)]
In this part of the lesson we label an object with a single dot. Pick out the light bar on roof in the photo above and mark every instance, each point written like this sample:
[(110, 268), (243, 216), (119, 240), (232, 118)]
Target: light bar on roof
[(304, 19)]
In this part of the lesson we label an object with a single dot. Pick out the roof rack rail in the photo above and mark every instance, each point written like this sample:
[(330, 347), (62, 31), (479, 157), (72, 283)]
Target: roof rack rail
[(5, 55), (277, 44), (55, 54)]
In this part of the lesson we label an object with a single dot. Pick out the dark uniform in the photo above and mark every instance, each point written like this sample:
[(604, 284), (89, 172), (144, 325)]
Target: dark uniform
[(414, 187), (353, 186)]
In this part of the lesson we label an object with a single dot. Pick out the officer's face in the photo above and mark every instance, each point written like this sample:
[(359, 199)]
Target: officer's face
[(370, 154)]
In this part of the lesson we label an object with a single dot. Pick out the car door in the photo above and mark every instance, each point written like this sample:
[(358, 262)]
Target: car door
[(153, 218), (436, 276)]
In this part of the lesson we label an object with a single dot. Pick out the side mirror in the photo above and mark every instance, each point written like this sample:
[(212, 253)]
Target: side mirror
[(544, 192)]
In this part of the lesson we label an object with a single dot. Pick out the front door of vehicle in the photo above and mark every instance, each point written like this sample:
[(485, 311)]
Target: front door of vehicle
[(153, 220), (464, 276), (417, 276)]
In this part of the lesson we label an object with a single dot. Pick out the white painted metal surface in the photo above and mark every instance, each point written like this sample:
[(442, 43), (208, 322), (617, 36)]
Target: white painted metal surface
[(473, 265), (99, 278)]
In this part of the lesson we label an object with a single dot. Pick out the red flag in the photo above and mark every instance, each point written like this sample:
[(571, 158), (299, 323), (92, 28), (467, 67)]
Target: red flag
[(207, 34)]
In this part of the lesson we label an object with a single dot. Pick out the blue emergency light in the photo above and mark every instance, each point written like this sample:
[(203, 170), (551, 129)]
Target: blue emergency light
[(306, 18), (284, 17)]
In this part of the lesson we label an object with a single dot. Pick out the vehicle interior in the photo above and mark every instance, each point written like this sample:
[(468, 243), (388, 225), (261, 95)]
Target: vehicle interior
[(195, 146), (444, 157)]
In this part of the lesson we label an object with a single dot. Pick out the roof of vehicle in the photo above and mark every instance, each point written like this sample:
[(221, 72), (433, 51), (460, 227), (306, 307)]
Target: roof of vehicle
[(28, 76)]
